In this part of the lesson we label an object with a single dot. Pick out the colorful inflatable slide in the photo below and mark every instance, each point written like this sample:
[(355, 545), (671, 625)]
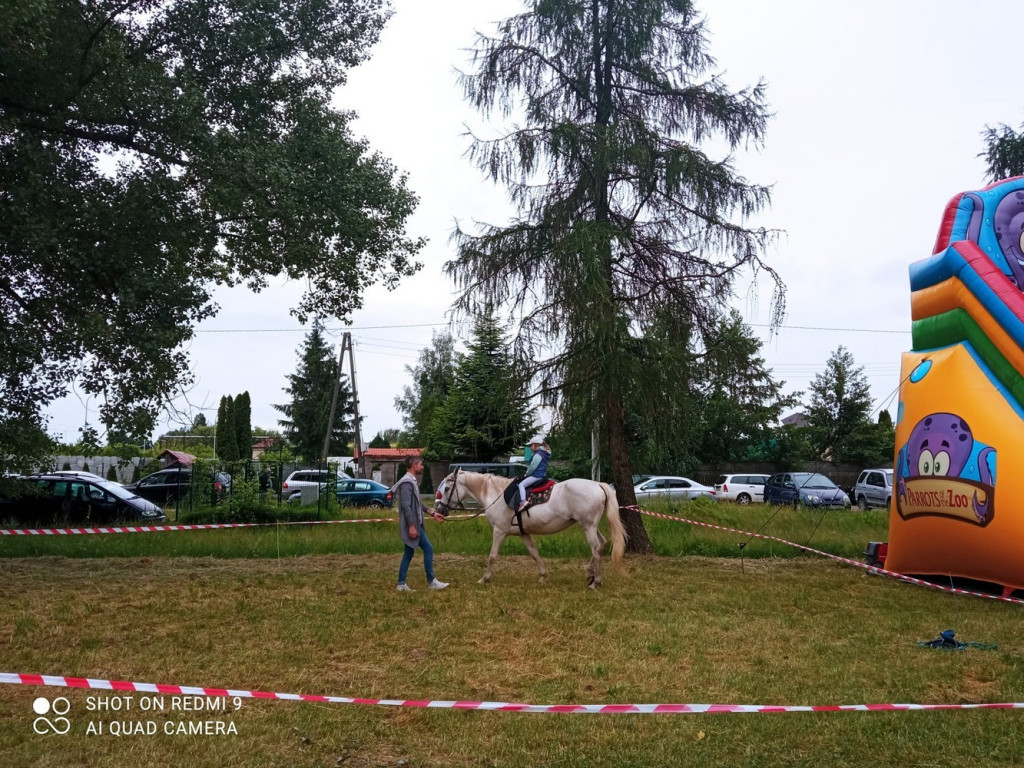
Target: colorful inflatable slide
[(958, 506)]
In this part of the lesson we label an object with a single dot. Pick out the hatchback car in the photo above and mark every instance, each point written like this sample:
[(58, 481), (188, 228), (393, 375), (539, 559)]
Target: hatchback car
[(807, 488), (873, 488), (671, 488), (355, 493), (169, 485), (742, 489), (52, 499)]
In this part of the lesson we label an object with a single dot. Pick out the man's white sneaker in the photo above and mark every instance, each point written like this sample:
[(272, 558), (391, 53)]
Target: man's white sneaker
[(435, 584), (406, 587)]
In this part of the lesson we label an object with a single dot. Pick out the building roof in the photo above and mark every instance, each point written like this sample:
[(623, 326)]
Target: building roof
[(263, 442), (392, 454), (177, 458), (798, 419)]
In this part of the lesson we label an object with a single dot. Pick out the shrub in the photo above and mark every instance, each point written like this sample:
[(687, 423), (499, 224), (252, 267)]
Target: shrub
[(67, 466), (112, 473), (85, 467)]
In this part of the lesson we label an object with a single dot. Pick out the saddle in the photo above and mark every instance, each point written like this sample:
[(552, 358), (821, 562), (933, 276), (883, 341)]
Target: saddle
[(538, 494)]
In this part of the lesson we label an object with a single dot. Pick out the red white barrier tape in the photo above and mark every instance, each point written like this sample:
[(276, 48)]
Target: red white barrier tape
[(494, 706), (197, 527), (870, 568)]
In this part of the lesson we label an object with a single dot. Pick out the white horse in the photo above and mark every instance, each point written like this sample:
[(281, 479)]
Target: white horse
[(572, 501)]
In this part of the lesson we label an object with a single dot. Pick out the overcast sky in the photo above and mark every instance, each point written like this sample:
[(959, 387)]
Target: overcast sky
[(879, 108)]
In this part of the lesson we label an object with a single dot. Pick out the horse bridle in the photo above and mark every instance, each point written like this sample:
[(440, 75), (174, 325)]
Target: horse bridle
[(457, 504), (448, 507)]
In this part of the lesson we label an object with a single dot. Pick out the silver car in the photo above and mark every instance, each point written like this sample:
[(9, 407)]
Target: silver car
[(671, 488), (873, 489)]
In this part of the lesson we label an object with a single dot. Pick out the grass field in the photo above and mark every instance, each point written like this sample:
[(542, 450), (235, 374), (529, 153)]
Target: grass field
[(676, 629), (844, 533)]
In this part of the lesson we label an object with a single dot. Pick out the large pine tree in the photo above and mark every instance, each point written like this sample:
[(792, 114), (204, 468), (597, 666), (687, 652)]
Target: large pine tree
[(310, 390), (622, 215), (487, 412)]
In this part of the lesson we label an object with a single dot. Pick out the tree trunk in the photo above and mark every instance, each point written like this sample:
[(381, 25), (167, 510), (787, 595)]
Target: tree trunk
[(637, 542)]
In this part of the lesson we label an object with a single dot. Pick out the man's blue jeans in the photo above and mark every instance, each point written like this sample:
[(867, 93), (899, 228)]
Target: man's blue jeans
[(428, 558)]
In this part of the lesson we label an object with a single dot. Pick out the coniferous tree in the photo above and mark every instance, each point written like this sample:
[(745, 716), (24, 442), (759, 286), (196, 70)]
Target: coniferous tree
[(621, 213), (487, 412), (311, 388), (839, 427), (243, 426), (227, 435)]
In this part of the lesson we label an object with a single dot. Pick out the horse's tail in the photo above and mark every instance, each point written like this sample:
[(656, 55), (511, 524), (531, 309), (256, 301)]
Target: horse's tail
[(611, 511)]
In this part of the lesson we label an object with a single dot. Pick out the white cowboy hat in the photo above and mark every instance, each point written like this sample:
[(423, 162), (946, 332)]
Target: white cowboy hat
[(536, 440)]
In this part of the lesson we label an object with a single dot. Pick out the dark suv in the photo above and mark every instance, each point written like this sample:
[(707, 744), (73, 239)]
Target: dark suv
[(169, 485), (49, 499)]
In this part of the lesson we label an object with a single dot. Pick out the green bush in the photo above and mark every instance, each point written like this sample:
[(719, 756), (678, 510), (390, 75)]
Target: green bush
[(136, 473), (67, 466), (112, 474)]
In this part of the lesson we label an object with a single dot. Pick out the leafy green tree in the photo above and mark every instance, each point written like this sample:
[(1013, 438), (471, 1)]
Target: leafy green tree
[(199, 420), (433, 377), (379, 441), (195, 141), (486, 414), (227, 433), (621, 214), (311, 388), (243, 426), (839, 426), (787, 447)]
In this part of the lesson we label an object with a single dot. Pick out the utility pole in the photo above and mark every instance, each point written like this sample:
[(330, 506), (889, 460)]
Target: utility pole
[(355, 403), (334, 399), (346, 344)]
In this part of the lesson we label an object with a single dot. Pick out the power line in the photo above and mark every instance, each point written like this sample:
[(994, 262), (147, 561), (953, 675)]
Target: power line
[(819, 328), (305, 330)]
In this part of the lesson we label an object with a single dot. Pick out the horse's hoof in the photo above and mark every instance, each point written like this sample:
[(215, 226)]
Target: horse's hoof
[(542, 579), (593, 585), (484, 581)]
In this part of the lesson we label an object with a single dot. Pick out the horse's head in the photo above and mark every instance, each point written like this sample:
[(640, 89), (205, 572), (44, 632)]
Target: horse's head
[(449, 494)]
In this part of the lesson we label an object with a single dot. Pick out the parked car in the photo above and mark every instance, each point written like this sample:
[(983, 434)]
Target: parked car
[(303, 478), (78, 473), (743, 489), (672, 488), (873, 488), (50, 499), (168, 485), (810, 489), (355, 493)]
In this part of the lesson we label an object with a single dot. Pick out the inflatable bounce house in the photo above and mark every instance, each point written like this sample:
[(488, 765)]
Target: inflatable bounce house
[(958, 504)]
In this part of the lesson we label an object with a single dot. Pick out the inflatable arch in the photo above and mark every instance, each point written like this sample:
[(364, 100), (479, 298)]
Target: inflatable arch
[(958, 505)]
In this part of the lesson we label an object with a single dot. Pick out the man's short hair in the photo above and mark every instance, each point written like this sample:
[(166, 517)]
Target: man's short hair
[(413, 460)]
